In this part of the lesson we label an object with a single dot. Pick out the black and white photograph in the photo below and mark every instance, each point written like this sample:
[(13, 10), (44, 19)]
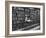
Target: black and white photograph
[(25, 18)]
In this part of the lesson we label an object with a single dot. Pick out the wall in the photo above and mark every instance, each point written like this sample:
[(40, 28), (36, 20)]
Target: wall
[(2, 18)]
